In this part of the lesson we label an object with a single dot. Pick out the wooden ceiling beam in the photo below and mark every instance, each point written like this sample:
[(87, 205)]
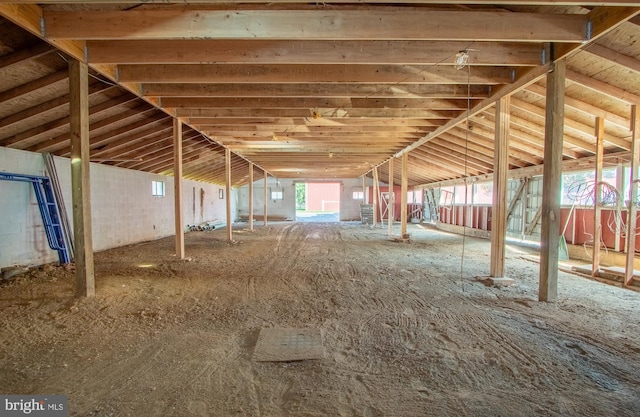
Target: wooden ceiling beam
[(314, 90), (299, 74), (323, 122), (312, 103), (625, 61), (572, 127), (49, 105), (126, 145), (25, 54), (406, 52), (584, 107), (391, 23), (14, 140), (31, 86), (337, 114), (602, 87), (290, 128)]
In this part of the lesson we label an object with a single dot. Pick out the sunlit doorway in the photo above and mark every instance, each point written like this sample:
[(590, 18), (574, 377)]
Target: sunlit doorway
[(318, 202)]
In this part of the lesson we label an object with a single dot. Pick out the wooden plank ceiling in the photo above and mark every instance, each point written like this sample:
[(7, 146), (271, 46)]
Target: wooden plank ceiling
[(317, 90)]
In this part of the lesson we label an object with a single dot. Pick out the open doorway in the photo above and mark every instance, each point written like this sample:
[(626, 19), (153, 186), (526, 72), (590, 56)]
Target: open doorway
[(318, 202)]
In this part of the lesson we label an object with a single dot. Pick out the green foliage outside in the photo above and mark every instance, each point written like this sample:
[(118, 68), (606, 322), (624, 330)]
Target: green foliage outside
[(301, 196)]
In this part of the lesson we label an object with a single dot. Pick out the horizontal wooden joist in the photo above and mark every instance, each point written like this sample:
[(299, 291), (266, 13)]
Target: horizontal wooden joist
[(313, 103), (316, 90), (261, 123), (388, 23), (409, 52), (296, 74), (333, 113)]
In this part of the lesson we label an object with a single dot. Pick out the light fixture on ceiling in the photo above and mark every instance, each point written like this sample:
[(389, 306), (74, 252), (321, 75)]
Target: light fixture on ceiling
[(462, 59)]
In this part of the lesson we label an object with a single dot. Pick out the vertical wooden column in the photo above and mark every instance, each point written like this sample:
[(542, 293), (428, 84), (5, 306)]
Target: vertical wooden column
[(633, 196), (552, 174), (500, 181), (597, 196), (80, 180), (403, 195), (227, 192), (620, 185), (391, 205), (250, 196), (266, 195), (375, 197), (177, 186), (364, 190)]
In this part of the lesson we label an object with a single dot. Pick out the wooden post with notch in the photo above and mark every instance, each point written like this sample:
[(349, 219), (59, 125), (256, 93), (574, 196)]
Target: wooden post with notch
[(403, 195), (633, 196), (500, 183), (80, 180), (177, 186), (227, 192), (597, 196), (391, 199), (250, 196), (551, 176)]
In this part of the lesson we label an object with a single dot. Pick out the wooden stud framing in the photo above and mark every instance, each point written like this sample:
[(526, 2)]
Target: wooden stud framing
[(391, 200), (633, 196), (403, 195), (552, 173), (80, 180), (500, 185), (250, 196), (177, 186), (227, 192), (597, 196)]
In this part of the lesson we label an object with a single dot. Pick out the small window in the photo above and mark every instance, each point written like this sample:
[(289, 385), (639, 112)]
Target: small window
[(358, 195), (277, 195), (157, 188)]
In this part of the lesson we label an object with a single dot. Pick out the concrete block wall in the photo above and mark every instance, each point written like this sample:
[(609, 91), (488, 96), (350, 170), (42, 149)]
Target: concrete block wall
[(123, 209)]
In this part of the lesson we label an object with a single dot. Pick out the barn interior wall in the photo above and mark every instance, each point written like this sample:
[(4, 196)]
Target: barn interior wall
[(285, 209), (123, 208)]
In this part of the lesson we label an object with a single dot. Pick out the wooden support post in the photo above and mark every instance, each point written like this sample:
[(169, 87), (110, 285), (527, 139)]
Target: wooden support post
[(364, 190), (227, 192), (633, 196), (266, 195), (391, 203), (597, 196), (552, 174), (500, 181), (375, 197), (177, 186), (250, 196), (620, 185), (403, 195), (80, 180)]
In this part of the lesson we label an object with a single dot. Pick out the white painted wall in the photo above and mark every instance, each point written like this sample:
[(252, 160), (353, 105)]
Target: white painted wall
[(123, 209), (286, 208)]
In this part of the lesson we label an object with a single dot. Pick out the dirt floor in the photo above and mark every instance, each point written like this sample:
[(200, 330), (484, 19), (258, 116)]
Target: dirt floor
[(407, 331)]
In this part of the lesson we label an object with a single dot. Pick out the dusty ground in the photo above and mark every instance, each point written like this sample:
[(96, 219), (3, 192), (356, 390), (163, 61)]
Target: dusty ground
[(405, 332)]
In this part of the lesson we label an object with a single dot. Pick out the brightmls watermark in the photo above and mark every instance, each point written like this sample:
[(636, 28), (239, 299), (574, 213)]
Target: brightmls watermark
[(34, 405)]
